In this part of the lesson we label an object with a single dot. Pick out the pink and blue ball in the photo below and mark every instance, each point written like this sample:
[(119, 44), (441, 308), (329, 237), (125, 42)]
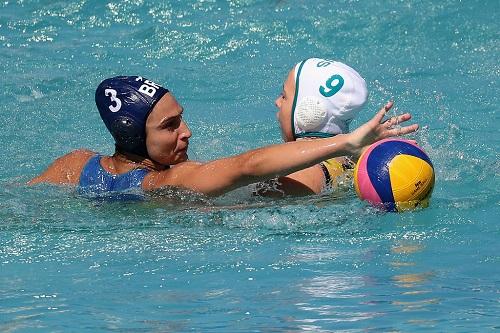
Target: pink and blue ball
[(394, 174)]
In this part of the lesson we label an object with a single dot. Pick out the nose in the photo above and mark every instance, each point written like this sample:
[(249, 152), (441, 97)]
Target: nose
[(277, 102), (185, 131)]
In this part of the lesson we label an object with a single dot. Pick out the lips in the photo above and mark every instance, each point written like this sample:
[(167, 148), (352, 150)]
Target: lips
[(182, 149)]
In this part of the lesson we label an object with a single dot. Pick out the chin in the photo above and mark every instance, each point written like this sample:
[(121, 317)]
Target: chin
[(287, 137), (183, 157), (174, 159)]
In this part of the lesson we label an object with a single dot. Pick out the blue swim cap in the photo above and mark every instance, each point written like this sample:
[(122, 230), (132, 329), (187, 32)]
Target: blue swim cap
[(124, 103)]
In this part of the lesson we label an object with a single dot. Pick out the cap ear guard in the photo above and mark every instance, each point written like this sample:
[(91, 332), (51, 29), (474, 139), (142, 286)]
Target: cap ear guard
[(128, 135), (310, 114)]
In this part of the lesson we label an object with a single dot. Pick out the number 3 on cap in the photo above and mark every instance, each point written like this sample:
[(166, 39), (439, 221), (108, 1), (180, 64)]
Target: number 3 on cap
[(333, 84), (112, 94)]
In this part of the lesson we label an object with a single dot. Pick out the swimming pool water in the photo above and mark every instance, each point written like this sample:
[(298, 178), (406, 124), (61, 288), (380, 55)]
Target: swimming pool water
[(238, 263)]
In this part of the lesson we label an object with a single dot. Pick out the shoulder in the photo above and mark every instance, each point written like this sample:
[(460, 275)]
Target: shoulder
[(66, 169), (79, 156), (74, 160), (174, 176)]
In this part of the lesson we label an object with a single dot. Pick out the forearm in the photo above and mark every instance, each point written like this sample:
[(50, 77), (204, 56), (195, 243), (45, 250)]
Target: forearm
[(284, 159), (272, 161)]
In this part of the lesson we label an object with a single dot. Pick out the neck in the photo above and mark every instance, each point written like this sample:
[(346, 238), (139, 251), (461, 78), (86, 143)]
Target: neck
[(139, 161)]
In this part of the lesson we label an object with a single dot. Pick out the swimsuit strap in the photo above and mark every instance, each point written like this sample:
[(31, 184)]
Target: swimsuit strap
[(332, 168), (95, 179)]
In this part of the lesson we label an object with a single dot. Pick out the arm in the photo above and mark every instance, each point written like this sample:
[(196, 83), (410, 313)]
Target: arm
[(261, 164), (303, 182), (307, 181)]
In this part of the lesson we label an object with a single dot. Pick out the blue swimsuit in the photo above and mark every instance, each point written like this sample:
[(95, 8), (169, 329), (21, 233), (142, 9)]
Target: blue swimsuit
[(96, 181)]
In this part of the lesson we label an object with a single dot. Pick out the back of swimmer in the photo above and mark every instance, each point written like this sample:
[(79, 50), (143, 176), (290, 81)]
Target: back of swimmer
[(152, 139), (320, 98)]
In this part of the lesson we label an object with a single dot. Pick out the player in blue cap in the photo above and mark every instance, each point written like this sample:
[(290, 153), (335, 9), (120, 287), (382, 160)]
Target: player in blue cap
[(152, 141)]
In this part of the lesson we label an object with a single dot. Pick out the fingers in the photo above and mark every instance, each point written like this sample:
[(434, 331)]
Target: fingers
[(402, 130), (390, 128), (389, 123), (393, 128), (381, 113), (403, 118), (396, 120), (388, 105)]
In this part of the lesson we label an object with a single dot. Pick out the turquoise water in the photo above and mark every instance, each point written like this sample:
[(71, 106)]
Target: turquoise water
[(237, 263)]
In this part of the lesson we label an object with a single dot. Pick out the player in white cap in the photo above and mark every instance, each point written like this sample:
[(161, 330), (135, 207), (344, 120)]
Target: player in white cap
[(320, 98)]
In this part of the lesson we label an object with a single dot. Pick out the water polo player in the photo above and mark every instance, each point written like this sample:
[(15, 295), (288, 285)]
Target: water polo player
[(152, 139), (319, 99)]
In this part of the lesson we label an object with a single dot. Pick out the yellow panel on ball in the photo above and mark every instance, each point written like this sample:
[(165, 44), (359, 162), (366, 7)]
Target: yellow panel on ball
[(411, 178)]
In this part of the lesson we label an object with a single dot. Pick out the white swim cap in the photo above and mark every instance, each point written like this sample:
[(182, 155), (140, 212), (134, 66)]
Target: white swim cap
[(328, 95)]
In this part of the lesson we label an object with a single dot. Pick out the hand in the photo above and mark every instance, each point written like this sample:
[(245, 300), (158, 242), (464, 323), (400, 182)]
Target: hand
[(377, 129)]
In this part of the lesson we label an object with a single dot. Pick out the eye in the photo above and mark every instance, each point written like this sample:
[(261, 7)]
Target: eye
[(173, 123)]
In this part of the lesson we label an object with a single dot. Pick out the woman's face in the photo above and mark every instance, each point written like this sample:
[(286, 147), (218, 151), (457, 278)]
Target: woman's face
[(167, 135), (284, 104)]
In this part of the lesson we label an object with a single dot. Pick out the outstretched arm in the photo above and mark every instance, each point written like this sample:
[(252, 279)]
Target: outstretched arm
[(261, 164)]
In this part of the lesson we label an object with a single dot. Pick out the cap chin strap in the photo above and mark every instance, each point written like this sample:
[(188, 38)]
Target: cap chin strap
[(295, 96)]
